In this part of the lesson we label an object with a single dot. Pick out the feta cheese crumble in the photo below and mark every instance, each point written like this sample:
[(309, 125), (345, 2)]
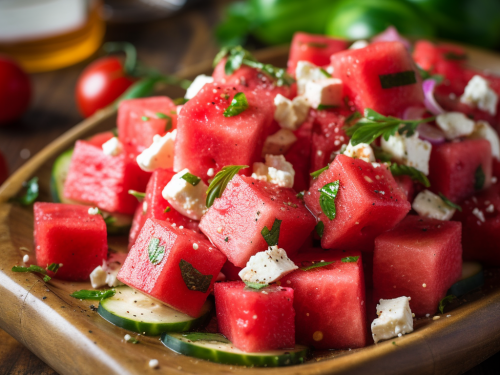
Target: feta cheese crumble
[(113, 147), (276, 170), (26, 258), (483, 130), (153, 363), (106, 275), (185, 198), (160, 154), (411, 151), (455, 124), (324, 92), (361, 151), (197, 85), (98, 277), (290, 114), (279, 143), (478, 93), (267, 266), (394, 318), (305, 72), (358, 44), (428, 204), (93, 211)]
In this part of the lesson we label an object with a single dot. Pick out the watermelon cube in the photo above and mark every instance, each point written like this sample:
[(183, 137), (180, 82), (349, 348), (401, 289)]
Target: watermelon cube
[(207, 139), (316, 49), (420, 258), (235, 221), (299, 155), (154, 206), (68, 234), (405, 183), (458, 169), (329, 301), (231, 272), (382, 77), (175, 266), (365, 195), (255, 320), (100, 138), (139, 120), (104, 180)]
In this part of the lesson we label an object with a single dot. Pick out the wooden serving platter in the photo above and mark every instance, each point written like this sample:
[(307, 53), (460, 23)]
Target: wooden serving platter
[(72, 338)]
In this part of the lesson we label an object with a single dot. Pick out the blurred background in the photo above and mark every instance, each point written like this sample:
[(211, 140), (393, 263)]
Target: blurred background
[(55, 69)]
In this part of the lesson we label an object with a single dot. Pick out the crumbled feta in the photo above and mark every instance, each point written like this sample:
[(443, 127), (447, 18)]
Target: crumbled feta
[(454, 125), (279, 143), (267, 266), (394, 318), (113, 147), (93, 211), (290, 114), (305, 72), (479, 214), (428, 204), (276, 170), (160, 154), (98, 277), (361, 151), (411, 151), (324, 92), (490, 209), (210, 172), (26, 258), (185, 198), (197, 85), (358, 44), (478, 93), (483, 130), (108, 272), (153, 363)]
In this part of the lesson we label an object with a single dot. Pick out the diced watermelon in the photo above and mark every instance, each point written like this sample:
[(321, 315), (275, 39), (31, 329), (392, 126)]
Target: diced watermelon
[(405, 183), (67, 234), (231, 271), (365, 195), (299, 155), (235, 221), (316, 49), (329, 301), (100, 138), (139, 120), (360, 71), (420, 258), (206, 139), (104, 180), (183, 276), (255, 320), (155, 206), (453, 168)]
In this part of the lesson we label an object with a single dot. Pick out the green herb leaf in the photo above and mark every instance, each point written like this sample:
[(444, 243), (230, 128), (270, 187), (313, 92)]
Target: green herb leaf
[(380, 154), (145, 118), (163, 116), (140, 196), (327, 196), (426, 74), (193, 278), (354, 116), (315, 265), (54, 267), (155, 251), (445, 301), (350, 259), (202, 336), (319, 171), (479, 178), (455, 56), (180, 101), (166, 210), (397, 79), (108, 220), (323, 107), (413, 173), (30, 195), (279, 75), (220, 181), (47, 278), (450, 203), (235, 56), (238, 105), (191, 179), (256, 286), (325, 73), (272, 236), (93, 294), (394, 343), (32, 268), (320, 228), (300, 195)]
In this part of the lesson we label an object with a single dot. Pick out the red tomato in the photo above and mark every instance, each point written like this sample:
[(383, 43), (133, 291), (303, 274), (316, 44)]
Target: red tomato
[(4, 172), (101, 83), (15, 90)]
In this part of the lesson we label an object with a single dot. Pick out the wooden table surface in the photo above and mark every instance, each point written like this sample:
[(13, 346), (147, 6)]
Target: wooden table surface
[(169, 45)]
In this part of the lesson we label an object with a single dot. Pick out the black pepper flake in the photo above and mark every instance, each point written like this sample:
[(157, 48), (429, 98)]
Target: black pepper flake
[(226, 239), (93, 308), (424, 229), (90, 331), (44, 297)]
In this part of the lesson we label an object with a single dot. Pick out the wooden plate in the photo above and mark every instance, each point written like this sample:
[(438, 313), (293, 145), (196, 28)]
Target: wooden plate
[(69, 336)]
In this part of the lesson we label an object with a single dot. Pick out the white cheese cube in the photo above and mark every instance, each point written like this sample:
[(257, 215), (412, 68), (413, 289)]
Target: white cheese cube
[(428, 204), (358, 44), (324, 92), (304, 72), (113, 147), (483, 130), (267, 266), (93, 211), (160, 154), (279, 143), (410, 151), (185, 198), (98, 277), (394, 318), (197, 85), (361, 151), (290, 114), (107, 273), (454, 125), (478, 93), (276, 170)]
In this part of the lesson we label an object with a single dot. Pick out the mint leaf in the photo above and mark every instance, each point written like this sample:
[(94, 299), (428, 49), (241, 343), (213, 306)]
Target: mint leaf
[(93, 294), (191, 179), (413, 173), (327, 196), (193, 278), (238, 105), (155, 251), (316, 174), (279, 75), (257, 286), (450, 203), (388, 81), (220, 181), (30, 195), (323, 107), (54, 267), (479, 178), (163, 116), (320, 228), (140, 196), (325, 73), (272, 236), (315, 265), (445, 301), (350, 259)]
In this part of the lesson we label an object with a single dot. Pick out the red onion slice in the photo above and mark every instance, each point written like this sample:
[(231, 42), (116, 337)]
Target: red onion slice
[(429, 100), (391, 35), (431, 134)]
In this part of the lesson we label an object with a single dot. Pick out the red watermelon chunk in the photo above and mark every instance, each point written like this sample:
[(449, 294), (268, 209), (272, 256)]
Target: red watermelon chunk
[(366, 194), (68, 234), (299, 155), (329, 301), (183, 277), (453, 166), (104, 180), (139, 120), (231, 271), (405, 183), (360, 69), (235, 221), (206, 139), (100, 138), (421, 258), (255, 320), (316, 49)]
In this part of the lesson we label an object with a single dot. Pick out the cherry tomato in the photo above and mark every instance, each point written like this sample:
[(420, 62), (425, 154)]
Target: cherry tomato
[(15, 90), (100, 84), (4, 172)]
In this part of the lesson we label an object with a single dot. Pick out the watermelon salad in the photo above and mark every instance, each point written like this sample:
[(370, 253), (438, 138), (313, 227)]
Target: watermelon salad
[(326, 205)]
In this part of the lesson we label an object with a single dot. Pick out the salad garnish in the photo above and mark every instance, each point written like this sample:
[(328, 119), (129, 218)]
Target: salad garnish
[(479, 178), (389, 81), (327, 196), (191, 178), (316, 265), (155, 251), (193, 278), (350, 259), (413, 173), (93, 294), (238, 105), (450, 203), (163, 116), (220, 181), (253, 285), (140, 196), (316, 174), (319, 228), (445, 301), (272, 236)]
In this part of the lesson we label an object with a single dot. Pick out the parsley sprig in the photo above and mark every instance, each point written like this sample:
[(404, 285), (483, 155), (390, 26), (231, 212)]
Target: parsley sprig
[(413, 173), (450, 203), (315, 265), (220, 181)]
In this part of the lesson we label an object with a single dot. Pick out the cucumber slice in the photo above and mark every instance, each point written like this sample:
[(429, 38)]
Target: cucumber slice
[(136, 312), (472, 278), (216, 348), (119, 225)]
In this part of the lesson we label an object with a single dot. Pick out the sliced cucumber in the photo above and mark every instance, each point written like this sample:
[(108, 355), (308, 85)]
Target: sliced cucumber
[(472, 278), (216, 348), (136, 312), (120, 223)]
